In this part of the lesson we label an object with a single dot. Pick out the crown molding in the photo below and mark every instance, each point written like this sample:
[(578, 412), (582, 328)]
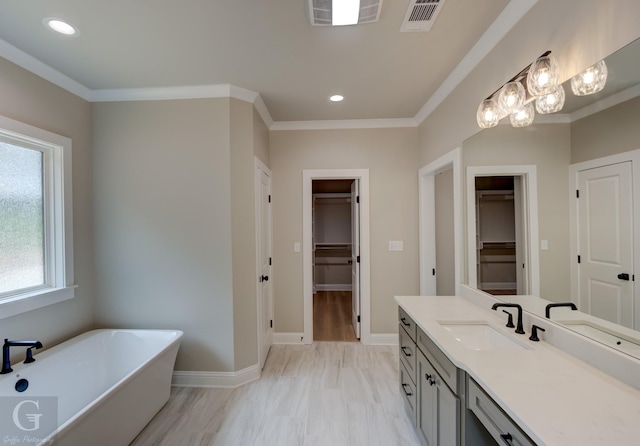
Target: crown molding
[(30, 63), (344, 124), (510, 15)]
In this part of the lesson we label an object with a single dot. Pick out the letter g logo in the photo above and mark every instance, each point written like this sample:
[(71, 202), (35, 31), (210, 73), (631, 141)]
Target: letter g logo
[(33, 418)]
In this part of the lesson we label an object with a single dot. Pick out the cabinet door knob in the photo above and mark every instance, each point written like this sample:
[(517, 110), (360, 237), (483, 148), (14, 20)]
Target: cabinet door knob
[(404, 350), (404, 322), (404, 387)]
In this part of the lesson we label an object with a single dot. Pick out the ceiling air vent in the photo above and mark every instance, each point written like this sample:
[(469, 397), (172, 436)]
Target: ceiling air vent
[(420, 15), (320, 11)]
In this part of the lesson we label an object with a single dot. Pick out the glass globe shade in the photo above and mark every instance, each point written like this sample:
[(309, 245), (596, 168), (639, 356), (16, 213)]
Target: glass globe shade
[(524, 116), (511, 97), (543, 76), (488, 114), (591, 80), (552, 102)]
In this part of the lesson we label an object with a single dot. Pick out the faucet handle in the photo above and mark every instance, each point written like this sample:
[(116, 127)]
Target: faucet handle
[(510, 320), (534, 333)]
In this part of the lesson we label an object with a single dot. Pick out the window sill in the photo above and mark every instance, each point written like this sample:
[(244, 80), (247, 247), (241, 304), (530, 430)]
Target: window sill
[(22, 303)]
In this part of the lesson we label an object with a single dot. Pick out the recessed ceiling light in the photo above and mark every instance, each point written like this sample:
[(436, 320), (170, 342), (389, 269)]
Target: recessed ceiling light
[(336, 98), (61, 26)]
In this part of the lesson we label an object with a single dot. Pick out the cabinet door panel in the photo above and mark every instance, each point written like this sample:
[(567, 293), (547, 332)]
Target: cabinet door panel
[(448, 416), (427, 400)]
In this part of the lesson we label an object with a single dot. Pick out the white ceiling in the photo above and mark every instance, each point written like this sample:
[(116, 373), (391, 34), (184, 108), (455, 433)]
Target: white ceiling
[(268, 47)]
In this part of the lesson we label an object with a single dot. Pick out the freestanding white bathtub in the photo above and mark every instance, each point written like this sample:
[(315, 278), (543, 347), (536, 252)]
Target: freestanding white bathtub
[(108, 384)]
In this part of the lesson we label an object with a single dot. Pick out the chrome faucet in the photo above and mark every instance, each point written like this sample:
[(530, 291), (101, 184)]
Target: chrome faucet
[(6, 361), (519, 328), (547, 309)]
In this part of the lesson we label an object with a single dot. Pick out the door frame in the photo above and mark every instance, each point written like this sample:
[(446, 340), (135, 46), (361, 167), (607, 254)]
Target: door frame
[(308, 175), (530, 191), (427, 223), (260, 167), (634, 157)]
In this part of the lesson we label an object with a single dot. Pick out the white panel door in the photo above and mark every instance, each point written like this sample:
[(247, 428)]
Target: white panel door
[(265, 286), (605, 228), (355, 256)]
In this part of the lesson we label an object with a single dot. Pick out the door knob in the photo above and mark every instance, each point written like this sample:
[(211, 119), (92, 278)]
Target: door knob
[(264, 278), (623, 276)]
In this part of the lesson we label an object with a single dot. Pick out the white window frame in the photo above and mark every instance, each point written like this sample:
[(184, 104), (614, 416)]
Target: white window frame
[(58, 218)]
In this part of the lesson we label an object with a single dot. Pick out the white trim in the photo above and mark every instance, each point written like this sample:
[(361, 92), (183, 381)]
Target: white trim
[(345, 124), (307, 252), (499, 285), (216, 379), (510, 15), (530, 185), (634, 157), (288, 338), (426, 197), (384, 339), (33, 65)]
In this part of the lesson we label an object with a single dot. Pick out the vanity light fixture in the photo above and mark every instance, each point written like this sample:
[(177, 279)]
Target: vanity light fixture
[(591, 80), (60, 26), (516, 97)]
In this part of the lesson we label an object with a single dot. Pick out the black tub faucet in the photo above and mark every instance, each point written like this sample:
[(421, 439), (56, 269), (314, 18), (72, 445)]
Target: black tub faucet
[(6, 360), (519, 328), (547, 309)]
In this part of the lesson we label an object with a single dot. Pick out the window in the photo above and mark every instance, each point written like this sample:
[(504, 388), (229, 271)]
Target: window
[(36, 237)]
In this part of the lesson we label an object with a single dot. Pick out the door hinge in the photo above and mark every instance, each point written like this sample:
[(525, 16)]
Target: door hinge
[(433, 271), (358, 318), (577, 193), (578, 259), (358, 199), (269, 260), (269, 198), (358, 259), (271, 323)]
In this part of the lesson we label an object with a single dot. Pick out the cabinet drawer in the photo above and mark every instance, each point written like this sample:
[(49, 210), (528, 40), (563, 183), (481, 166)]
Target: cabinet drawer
[(407, 323), (447, 370), (497, 423), (408, 353), (408, 392)]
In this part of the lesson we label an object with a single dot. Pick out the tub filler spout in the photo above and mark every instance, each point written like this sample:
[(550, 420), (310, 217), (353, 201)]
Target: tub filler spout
[(6, 360)]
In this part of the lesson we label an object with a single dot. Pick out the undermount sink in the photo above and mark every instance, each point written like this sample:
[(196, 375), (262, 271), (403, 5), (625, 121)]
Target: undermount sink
[(479, 335), (604, 335)]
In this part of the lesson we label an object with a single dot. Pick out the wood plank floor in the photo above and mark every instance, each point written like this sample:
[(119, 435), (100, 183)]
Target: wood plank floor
[(327, 393), (332, 316)]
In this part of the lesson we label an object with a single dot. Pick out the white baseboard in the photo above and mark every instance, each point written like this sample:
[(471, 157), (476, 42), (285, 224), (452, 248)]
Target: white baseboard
[(288, 338), (333, 287), (383, 339), (216, 379)]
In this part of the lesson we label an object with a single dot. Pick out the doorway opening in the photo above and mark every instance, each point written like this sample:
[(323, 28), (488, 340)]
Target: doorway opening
[(502, 226), (333, 250), (336, 255)]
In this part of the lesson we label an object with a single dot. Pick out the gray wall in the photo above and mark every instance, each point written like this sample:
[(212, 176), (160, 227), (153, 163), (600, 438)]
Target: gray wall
[(612, 131), (173, 207), (391, 155), (34, 101)]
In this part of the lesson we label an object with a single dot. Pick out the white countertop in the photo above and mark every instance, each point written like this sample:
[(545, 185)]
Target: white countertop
[(554, 397)]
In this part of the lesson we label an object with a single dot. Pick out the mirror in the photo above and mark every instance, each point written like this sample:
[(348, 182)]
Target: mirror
[(560, 148)]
